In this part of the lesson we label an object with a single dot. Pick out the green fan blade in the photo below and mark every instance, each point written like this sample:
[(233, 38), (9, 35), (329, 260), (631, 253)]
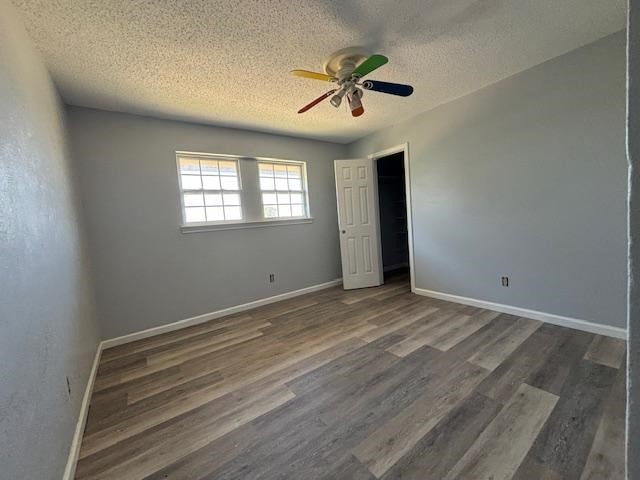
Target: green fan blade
[(370, 64)]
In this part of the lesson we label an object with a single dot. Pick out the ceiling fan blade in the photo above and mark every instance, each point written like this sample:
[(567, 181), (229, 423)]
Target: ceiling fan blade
[(387, 87), (369, 65), (317, 101), (314, 75)]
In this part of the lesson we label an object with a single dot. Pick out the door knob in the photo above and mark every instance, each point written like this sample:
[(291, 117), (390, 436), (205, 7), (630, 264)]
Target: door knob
[(344, 231)]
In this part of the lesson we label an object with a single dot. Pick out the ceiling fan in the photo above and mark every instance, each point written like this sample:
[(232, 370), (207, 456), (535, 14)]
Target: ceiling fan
[(346, 68)]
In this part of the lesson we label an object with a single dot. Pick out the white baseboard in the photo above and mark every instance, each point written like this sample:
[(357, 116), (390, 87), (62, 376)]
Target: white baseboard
[(74, 451), (188, 322), (559, 320)]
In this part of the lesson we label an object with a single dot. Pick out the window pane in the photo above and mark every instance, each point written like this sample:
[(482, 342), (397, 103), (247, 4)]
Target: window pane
[(194, 214), (270, 211), (280, 170), (283, 198), (297, 210), (266, 184), (294, 171), (193, 200), (215, 214), (269, 198), (296, 198), (232, 213), (231, 199), (266, 170), (295, 184), (227, 168), (281, 184), (229, 183), (209, 167), (213, 199), (284, 210), (191, 182), (189, 166), (211, 182)]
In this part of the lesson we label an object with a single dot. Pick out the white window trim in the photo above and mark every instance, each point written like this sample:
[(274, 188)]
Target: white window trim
[(305, 188), (242, 224)]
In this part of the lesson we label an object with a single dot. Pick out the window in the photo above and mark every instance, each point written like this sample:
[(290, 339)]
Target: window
[(222, 191), (210, 190), (281, 188)]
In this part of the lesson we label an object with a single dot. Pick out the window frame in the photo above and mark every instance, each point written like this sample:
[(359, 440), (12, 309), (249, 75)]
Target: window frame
[(184, 191), (303, 183), (253, 194)]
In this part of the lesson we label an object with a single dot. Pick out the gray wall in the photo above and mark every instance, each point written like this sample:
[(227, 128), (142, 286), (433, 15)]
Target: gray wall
[(525, 178), (633, 142), (48, 327), (148, 273)]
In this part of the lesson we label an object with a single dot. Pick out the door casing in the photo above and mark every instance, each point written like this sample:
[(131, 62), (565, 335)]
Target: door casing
[(404, 147)]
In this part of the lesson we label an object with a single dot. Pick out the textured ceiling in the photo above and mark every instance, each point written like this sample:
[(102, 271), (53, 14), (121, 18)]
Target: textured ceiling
[(226, 62)]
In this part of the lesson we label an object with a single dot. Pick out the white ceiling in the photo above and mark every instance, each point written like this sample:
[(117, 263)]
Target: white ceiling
[(226, 62)]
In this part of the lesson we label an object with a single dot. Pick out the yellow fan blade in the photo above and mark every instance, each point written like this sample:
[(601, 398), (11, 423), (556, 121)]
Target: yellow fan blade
[(315, 75)]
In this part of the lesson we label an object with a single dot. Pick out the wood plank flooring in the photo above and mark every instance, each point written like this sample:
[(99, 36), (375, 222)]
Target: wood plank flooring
[(369, 384)]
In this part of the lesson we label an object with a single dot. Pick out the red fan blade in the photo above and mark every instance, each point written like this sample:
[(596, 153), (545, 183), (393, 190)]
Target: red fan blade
[(317, 101)]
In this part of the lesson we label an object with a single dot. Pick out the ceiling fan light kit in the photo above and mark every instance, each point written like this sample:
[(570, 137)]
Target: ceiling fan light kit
[(355, 103), (346, 68), (336, 100)]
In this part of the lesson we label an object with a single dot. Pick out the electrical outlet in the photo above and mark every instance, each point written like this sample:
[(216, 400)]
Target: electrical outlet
[(272, 277), (504, 281)]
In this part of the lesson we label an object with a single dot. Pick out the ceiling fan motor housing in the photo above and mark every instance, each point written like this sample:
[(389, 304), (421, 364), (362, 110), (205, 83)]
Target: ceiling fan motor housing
[(342, 63)]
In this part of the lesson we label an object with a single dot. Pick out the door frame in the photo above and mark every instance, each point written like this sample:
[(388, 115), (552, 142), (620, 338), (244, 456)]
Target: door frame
[(404, 148)]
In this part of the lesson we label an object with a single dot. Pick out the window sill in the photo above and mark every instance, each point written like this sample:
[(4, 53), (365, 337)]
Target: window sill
[(243, 225)]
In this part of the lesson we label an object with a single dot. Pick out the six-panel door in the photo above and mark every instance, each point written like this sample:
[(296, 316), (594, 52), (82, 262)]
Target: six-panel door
[(356, 188)]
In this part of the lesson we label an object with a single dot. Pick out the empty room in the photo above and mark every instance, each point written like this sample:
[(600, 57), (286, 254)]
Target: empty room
[(319, 239)]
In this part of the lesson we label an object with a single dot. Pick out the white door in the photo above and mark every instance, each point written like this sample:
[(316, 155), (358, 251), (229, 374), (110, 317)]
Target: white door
[(357, 194)]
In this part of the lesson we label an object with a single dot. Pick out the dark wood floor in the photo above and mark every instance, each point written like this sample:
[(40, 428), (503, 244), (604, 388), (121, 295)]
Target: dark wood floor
[(375, 383)]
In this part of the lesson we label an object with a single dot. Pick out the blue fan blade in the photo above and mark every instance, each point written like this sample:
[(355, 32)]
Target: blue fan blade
[(386, 87)]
